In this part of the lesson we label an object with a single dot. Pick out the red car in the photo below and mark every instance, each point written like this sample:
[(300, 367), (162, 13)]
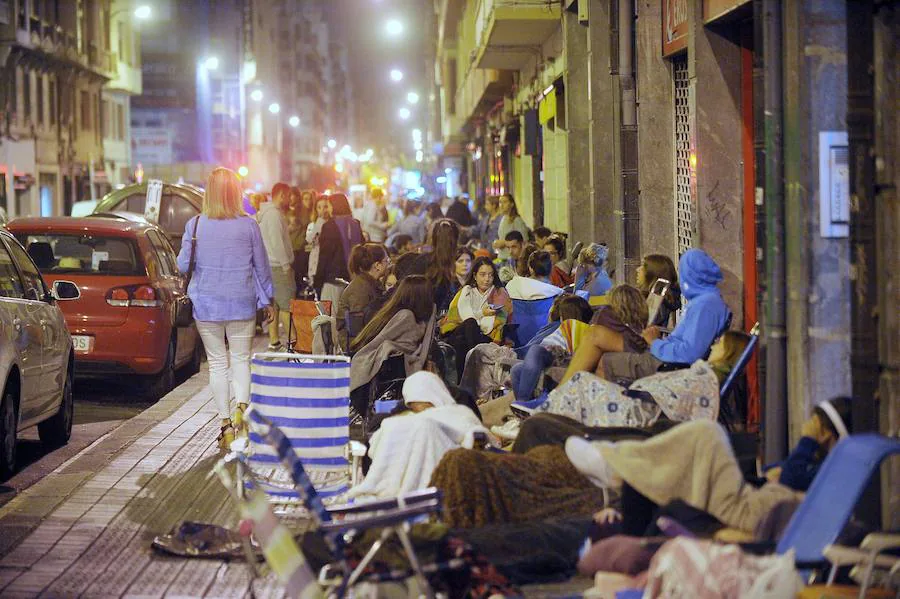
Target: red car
[(125, 270)]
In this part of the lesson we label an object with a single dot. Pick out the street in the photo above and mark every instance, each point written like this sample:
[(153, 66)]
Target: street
[(100, 406)]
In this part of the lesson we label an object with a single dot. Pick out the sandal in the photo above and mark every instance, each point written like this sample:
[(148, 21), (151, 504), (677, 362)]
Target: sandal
[(239, 422), (226, 435)]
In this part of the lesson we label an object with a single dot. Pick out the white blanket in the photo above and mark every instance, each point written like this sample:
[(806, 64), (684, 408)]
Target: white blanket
[(407, 448)]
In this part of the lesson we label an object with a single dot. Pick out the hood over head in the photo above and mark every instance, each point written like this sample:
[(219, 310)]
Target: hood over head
[(697, 273), (426, 387)]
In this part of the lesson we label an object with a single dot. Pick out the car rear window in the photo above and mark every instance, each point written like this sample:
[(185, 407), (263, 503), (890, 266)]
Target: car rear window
[(83, 254)]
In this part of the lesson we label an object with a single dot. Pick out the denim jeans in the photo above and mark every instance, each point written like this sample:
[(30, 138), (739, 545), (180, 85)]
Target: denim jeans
[(240, 335), (526, 374)]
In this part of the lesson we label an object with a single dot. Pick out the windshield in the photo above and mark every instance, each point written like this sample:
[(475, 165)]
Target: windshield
[(82, 254)]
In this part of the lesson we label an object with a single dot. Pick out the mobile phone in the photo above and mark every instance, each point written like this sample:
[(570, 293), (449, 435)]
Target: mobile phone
[(495, 307)]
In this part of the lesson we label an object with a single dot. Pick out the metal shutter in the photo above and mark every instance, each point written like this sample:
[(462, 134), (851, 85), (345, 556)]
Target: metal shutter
[(684, 205)]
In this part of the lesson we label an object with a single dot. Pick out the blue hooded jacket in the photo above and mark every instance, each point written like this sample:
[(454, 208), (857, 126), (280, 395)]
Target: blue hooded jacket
[(705, 316)]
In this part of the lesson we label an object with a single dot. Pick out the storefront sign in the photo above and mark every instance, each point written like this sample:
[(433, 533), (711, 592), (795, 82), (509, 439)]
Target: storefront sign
[(151, 145), (674, 25)]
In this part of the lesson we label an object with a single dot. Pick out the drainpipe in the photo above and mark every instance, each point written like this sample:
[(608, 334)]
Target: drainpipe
[(775, 323), (627, 223)]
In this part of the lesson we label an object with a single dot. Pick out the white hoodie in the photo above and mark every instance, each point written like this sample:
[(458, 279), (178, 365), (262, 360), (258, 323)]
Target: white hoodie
[(275, 235)]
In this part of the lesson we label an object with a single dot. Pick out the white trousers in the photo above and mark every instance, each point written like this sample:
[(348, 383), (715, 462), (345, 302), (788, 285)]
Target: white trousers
[(239, 334)]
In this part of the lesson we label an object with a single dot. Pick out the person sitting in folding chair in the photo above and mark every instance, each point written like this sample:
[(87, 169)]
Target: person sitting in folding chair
[(369, 265), (405, 326)]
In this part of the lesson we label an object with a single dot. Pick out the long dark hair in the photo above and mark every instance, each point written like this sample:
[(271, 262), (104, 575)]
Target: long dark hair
[(444, 237), (660, 266), (365, 256), (339, 205), (413, 293), (476, 266)]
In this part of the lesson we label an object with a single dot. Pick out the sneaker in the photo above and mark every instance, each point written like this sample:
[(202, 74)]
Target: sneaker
[(275, 347), (524, 409), (509, 430)]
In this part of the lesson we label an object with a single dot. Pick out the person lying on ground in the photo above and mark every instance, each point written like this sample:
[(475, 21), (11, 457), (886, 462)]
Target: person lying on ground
[(679, 395), (705, 318), (615, 327), (477, 312), (409, 445), (403, 325)]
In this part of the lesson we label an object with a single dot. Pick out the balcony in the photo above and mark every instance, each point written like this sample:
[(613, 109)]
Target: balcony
[(509, 32), (481, 90)]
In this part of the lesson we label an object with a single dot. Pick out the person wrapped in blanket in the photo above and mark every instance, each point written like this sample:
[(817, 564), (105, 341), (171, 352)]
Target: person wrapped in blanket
[(408, 446), (692, 462), (679, 395)]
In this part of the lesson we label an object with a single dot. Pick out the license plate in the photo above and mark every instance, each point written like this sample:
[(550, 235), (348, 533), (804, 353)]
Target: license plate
[(82, 343)]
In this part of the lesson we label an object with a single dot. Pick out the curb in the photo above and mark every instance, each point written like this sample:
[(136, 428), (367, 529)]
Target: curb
[(22, 514)]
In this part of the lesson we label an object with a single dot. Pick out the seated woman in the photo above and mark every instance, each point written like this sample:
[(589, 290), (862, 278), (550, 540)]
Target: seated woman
[(560, 274), (590, 272), (616, 328), (652, 268), (481, 376), (461, 269), (535, 285), (369, 264), (679, 395), (403, 326), (477, 312), (409, 445), (692, 461)]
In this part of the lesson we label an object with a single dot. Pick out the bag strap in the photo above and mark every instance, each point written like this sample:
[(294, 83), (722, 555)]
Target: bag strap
[(193, 262)]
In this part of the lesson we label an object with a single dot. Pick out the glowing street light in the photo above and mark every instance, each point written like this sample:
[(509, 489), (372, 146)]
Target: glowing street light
[(404, 113), (243, 171), (256, 95), (412, 98), (143, 12), (294, 121), (274, 108), (211, 63), (393, 27), (396, 75), (417, 134), (332, 144)]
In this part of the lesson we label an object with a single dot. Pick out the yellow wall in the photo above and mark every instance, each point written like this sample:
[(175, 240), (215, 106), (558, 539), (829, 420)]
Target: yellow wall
[(556, 206)]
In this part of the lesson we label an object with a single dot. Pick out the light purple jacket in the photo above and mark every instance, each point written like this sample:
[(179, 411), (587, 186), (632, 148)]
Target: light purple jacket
[(232, 277)]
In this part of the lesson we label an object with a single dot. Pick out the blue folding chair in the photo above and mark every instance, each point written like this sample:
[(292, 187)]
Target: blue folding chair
[(527, 318), (308, 397)]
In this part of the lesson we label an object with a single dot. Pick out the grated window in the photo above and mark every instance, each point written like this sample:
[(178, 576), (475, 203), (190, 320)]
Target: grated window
[(684, 205)]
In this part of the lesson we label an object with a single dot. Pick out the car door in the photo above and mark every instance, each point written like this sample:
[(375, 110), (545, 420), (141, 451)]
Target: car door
[(50, 330), (22, 327), (173, 283)]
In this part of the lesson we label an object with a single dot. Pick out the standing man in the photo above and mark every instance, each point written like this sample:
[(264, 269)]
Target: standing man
[(273, 224)]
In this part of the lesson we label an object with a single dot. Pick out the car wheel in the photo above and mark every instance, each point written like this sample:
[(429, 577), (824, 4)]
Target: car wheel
[(162, 383), (8, 425), (56, 431)]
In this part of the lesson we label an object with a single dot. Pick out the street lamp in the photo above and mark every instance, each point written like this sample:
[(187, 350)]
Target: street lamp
[(332, 144), (256, 95), (294, 121), (211, 63), (412, 98), (143, 12), (393, 27), (274, 108), (404, 113), (396, 75)]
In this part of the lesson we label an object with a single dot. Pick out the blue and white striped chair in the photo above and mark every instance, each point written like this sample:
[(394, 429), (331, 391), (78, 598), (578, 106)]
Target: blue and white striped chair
[(308, 398)]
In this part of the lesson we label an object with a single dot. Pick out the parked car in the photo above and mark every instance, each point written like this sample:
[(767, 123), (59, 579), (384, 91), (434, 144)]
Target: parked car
[(123, 321), (36, 354), (178, 203)]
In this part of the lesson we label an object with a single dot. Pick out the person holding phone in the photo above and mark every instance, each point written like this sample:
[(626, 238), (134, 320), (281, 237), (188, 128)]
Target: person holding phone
[(477, 312)]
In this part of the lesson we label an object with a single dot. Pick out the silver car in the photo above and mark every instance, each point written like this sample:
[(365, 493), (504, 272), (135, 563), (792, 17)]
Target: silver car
[(36, 355)]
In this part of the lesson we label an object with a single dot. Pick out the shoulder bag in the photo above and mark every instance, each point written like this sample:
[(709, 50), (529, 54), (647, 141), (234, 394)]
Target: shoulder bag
[(184, 307)]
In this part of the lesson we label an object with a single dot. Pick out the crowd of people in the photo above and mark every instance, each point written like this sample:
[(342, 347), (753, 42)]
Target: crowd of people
[(433, 291)]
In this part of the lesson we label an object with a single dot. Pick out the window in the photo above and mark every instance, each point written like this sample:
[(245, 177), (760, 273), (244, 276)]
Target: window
[(31, 277), (51, 100), (85, 110), (10, 283), (134, 203), (120, 122), (164, 253), (182, 212), (104, 117), (120, 28), (26, 96), (39, 89), (85, 254)]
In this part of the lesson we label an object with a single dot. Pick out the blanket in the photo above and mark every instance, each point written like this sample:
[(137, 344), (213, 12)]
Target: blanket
[(408, 447), (402, 334), (694, 462)]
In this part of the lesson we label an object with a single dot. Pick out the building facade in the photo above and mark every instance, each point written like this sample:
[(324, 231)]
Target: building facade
[(56, 57)]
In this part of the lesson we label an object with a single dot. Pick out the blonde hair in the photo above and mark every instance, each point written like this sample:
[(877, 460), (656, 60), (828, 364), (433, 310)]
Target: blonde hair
[(223, 198), (628, 304)]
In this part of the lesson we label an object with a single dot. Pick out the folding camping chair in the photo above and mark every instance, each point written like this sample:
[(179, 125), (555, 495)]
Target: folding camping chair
[(308, 397), (309, 317), (527, 318), (393, 516)]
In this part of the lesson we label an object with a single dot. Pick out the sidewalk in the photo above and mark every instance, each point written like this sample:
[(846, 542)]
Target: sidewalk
[(86, 529)]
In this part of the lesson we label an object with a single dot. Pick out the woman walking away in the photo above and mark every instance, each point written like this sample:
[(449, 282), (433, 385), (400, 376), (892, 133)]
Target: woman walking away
[(230, 280), (273, 224), (369, 265), (511, 221), (314, 229)]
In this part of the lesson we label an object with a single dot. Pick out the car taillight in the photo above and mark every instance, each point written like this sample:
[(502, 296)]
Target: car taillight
[(138, 296)]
